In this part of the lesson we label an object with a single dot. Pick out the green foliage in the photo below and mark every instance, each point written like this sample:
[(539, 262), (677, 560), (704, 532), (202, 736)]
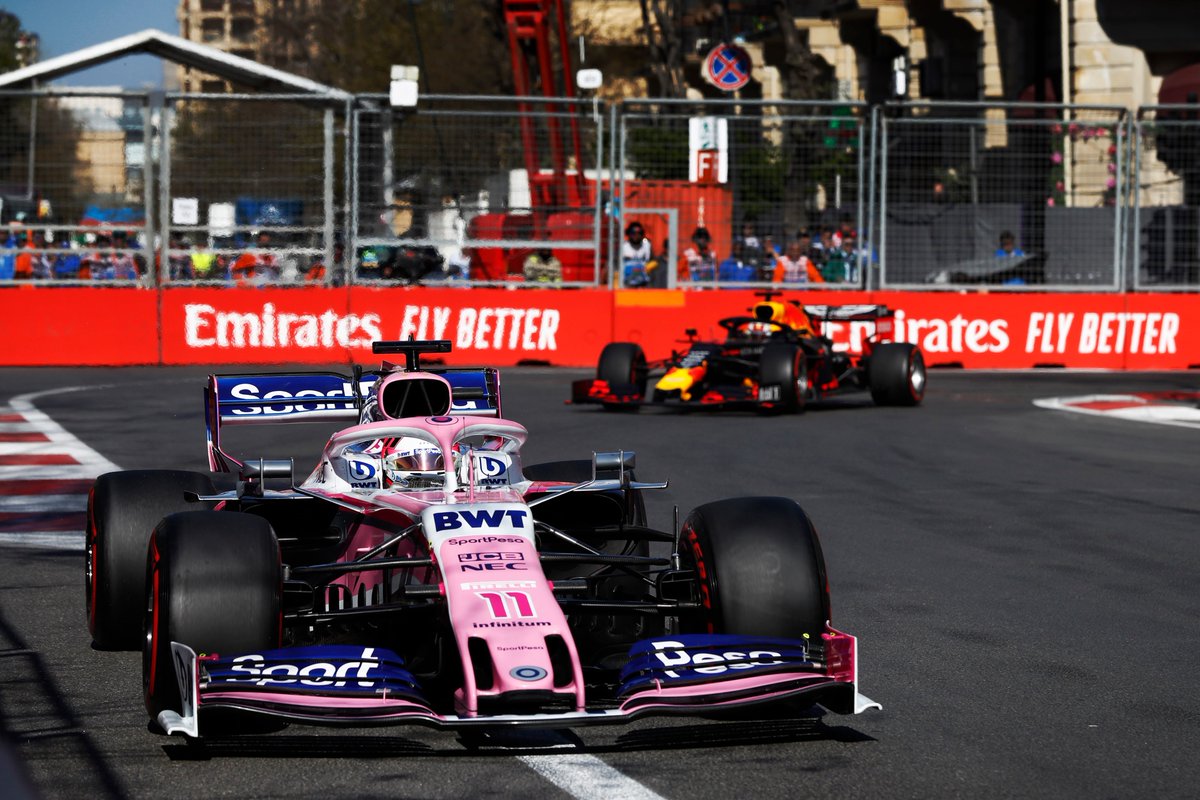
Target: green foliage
[(658, 153), (759, 171)]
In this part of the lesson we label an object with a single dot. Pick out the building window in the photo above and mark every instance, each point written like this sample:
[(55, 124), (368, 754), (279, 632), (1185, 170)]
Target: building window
[(212, 5), (212, 29), (242, 30), (212, 87)]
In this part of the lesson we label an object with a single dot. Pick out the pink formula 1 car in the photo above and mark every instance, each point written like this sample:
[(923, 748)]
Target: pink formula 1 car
[(422, 574)]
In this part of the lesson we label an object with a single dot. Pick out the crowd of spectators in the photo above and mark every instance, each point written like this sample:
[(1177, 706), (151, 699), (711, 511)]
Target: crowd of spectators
[(38, 254), (828, 255)]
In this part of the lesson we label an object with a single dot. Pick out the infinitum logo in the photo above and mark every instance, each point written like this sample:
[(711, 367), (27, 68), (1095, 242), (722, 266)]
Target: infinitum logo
[(205, 326)]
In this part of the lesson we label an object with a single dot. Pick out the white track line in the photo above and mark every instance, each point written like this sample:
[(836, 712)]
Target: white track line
[(1140, 409), (587, 778), (59, 441)]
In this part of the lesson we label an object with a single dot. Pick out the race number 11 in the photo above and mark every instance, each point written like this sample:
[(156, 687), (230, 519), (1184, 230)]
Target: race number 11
[(508, 604)]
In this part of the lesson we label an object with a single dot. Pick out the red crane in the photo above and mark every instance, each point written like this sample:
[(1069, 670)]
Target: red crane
[(529, 24)]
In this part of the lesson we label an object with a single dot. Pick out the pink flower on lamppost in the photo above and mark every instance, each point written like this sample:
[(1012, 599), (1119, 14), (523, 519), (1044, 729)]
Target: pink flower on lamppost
[(1059, 186), (1049, 201), (1111, 183), (1112, 169), (1112, 149), (1056, 157), (1056, 129)]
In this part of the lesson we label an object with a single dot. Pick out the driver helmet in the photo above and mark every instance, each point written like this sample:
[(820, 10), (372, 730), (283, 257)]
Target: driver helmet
[(758, 331), (410, 462)]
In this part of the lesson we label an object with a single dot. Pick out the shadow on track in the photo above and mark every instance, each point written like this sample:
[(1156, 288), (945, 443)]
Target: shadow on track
[(508, 743), (43, 731)]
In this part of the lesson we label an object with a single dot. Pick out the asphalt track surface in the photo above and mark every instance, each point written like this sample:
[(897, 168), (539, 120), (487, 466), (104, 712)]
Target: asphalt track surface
[(1023, 583)]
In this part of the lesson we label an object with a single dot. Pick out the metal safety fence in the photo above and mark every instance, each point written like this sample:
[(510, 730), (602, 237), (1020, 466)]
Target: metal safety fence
[(482, 189), (1164, 238), (763, 193), (1018, 195), (147, 188)]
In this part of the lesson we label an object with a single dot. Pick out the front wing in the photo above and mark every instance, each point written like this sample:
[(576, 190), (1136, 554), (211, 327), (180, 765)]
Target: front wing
[(689, 674)]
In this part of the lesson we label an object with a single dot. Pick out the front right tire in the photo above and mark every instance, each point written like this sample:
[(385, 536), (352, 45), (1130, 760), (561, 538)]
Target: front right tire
[(759, 568), (213, 582)]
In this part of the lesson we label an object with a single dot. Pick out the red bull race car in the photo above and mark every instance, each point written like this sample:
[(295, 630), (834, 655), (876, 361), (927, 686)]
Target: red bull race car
[(422, 574), (776, 359)]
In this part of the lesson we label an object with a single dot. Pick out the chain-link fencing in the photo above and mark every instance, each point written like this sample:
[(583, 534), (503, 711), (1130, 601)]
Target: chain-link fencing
[(73, 177), (1164, 246), (249, 188), (1012, 195), (765, 193), (481, 189), (149, 188)]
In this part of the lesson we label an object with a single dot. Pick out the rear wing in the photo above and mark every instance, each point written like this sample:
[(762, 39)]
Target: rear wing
[(882, 317), (257, 399), (849, 313)]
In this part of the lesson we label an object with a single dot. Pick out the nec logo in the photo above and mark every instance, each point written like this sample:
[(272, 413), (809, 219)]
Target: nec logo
[(453, 520), (492, 562)]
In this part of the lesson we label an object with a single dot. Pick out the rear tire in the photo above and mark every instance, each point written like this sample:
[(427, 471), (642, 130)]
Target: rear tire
[(759, 567), (896, 374), (123, 508), (784, 364), (215, 584), (623, 364)]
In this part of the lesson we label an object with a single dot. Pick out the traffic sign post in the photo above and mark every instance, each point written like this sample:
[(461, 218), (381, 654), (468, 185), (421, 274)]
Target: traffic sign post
[(727, 67)]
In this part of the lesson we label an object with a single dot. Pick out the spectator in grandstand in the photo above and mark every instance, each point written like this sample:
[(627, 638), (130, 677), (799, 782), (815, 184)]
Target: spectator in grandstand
[(541, 266), (23, 260), (699, 262), (844, 230), (255, 267), (795, 266), (841, 263), (749, 239), (635, 255), (205, 265), (1008, 246), (736, 268)]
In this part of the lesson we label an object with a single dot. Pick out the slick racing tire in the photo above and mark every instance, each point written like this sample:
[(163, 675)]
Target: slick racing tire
[(783, 364), (123, 508), (622, 364), (214, 583), (896, 374), (759, 567)]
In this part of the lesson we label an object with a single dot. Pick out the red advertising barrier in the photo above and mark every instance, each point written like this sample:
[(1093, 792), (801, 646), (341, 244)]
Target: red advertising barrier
[(487, 326), (69, 326), (502, 327)]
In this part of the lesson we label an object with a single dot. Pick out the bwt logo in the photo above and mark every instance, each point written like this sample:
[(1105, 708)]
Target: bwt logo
[(483, 518), (361, 470), (674, 654)]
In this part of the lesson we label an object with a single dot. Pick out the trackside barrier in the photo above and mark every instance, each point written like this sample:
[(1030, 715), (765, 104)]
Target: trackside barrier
[(501, 327)]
